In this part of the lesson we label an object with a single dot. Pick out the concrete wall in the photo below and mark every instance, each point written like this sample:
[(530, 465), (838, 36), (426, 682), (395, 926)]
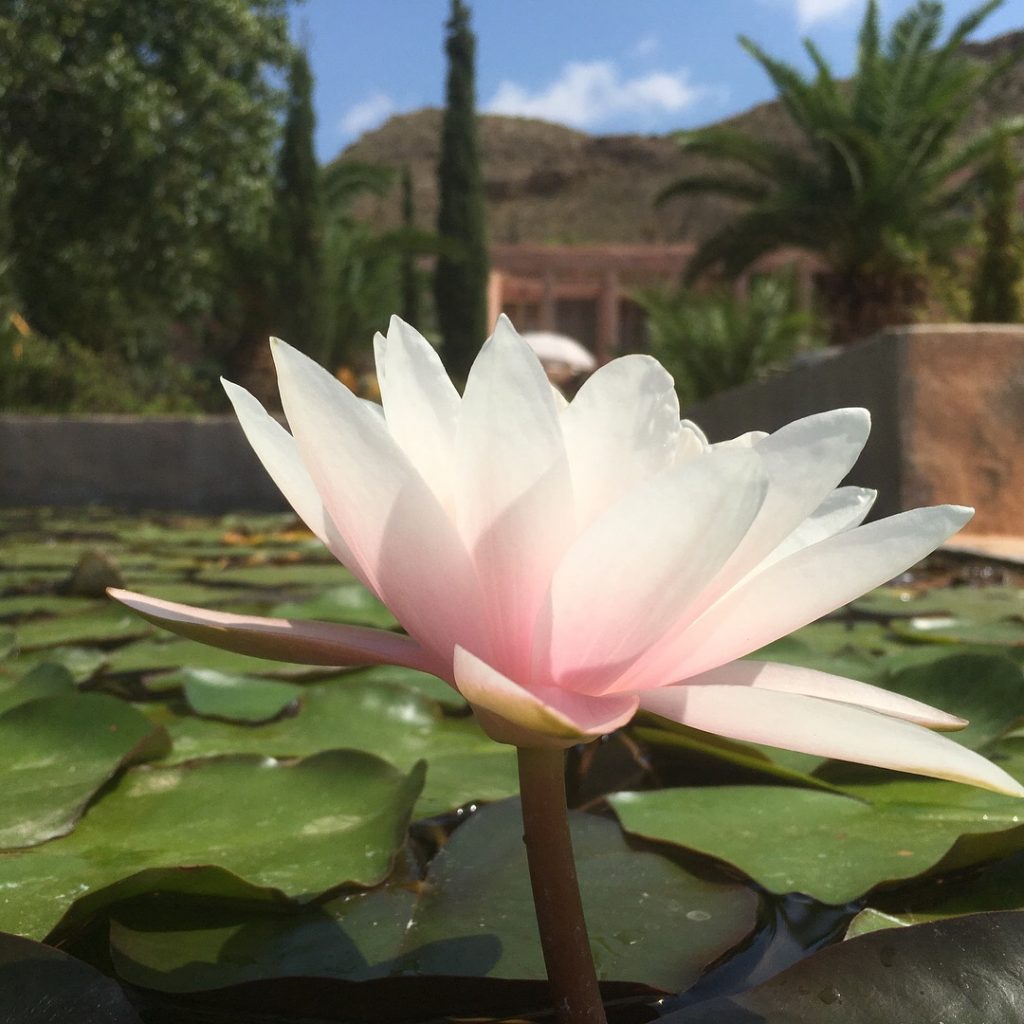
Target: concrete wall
[(194, 464), (947, 404)]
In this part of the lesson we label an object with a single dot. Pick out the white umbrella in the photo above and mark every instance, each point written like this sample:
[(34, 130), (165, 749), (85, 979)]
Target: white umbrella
[(561, 352)]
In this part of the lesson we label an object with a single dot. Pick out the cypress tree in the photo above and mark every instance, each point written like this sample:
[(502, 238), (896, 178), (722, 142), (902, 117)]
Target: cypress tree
[(410, 281), (297, 239), (995, 296), (460, 279)]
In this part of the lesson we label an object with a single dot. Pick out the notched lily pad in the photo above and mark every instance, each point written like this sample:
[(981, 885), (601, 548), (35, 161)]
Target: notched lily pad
[(100, 627), (153, 655), (233, 698), (333, 819), (56, 752), (650, 922), (391, 721), (351, 603), (831, 847), (47, 679)]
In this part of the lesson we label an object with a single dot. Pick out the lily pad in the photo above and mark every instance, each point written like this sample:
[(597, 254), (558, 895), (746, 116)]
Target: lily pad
[(390, 721), (951, 630), (235, 698), (151, 655), (430, 686), (650, 921), (979, 604), (298, 574), (730, 754), (42, 984), (187, 593), (998, 886), (56, 752), (351, 603), (45, 604), (988, 690), (967, 970), (82, 662), (110, 624), (833, 848), (47, 679), (333, 819)]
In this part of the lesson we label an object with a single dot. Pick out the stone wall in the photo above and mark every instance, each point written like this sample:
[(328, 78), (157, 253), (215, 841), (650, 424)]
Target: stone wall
[(947, 404), (194, 464)]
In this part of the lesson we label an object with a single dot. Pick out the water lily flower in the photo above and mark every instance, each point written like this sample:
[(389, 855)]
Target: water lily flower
[(563, 565)]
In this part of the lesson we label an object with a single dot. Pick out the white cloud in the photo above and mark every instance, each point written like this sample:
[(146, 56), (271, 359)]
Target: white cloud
[(367, 114), (809, 12), (646, 46), (587, 94)]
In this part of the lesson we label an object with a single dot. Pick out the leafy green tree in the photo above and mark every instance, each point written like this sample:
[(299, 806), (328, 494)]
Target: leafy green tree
[(365, 271), (140, 141), (711, 341), (877, 183), (410, 278), (995, 295), (460, 279), (297, 244)]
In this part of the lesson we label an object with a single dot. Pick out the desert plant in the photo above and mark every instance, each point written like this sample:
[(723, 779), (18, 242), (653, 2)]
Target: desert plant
[(877, 184), (711, 341)]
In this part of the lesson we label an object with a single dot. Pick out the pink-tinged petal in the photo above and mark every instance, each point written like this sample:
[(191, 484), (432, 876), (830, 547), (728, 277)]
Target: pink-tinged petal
[(420, 403), (768, 675), (514, 495), (539, 717), (634, 573), (406, 546), (305, 643), (622, 427), (276, 449), (825, 728), (799, 589)]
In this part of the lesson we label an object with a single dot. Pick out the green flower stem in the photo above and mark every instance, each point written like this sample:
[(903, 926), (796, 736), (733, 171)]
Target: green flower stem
[(556, 893)]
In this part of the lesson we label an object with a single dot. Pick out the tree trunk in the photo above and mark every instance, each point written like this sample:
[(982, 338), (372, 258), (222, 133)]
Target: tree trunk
[(861, 304)]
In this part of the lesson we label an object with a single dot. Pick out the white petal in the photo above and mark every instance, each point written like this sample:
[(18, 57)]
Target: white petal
[(622, 427), (420, 403), (539, 717), (804, 460), (842, 510), (826, 728), (747, 440), (305, 643), (692, 441), (276, 449), (514, 496), (637, 570), (768, 675), (397, 532), (799, 589)]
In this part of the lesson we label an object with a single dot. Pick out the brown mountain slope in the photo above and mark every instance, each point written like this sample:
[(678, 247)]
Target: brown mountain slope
[(548, 183)]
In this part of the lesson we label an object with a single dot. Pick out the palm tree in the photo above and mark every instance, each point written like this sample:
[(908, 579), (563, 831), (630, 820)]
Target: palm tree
[(711, 341), (877, 185)]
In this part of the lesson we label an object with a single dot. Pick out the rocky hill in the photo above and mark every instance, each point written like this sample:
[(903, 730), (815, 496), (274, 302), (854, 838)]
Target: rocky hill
[(547, 183)]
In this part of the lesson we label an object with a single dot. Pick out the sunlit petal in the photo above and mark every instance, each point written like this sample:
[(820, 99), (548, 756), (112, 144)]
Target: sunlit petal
[(540, 715), (826, 728)]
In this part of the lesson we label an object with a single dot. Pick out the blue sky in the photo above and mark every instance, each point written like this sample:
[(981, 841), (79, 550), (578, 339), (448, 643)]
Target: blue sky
[(597, 65)]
